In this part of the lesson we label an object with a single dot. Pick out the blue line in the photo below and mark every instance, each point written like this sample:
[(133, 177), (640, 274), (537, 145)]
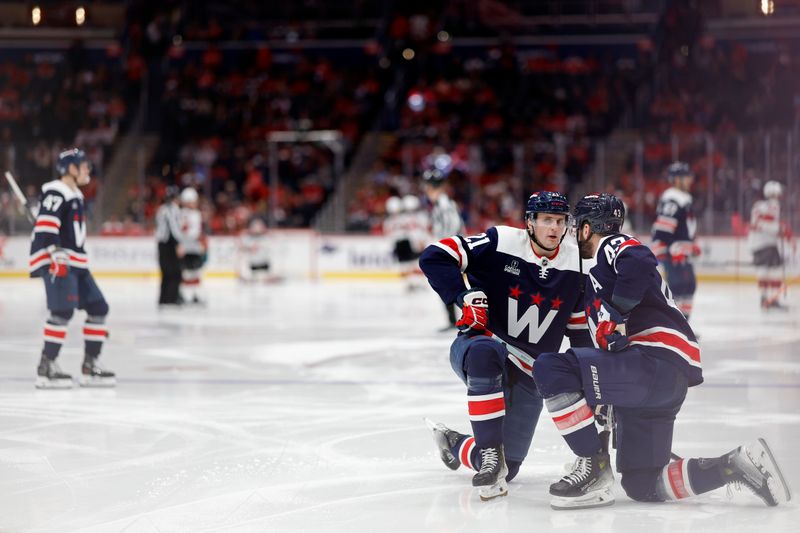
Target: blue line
[(414, 383)]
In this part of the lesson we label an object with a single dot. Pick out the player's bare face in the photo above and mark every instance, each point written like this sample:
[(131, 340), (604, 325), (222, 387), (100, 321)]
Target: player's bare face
[(548, 229), (684, 183), (83, 176)]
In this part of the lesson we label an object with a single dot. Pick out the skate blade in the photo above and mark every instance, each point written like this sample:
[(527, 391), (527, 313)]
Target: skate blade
[(599, 498), (90, 382), (447, 457), (44, 383), (498, 490), (774, 468)]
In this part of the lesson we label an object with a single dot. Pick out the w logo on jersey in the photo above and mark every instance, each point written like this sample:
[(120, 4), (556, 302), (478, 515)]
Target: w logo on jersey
[(79, 226), (530, 320)]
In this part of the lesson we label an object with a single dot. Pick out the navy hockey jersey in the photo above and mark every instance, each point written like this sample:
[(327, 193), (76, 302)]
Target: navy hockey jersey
[(625, 270), (533, 300), (61, 223), (675, 225)]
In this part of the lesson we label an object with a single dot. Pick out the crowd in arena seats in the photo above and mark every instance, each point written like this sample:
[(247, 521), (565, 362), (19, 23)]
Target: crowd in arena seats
[(50, 100), (216, 114), (512, 120)]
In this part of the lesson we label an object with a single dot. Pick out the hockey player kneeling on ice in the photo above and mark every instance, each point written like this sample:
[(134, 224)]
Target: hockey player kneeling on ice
[(519, 291), (646, 357), (58, 257)]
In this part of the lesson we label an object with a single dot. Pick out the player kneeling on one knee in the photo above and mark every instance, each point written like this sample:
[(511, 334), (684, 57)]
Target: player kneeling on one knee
[(646, 358), (519, 291)]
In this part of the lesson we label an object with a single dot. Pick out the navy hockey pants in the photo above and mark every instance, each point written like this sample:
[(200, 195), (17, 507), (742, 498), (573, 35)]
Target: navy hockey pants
[(680, 278), (646, 391), (483, 365), (76, 290)]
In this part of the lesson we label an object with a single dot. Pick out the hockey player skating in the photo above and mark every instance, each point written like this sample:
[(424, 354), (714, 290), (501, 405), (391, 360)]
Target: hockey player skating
[(673, 236), (58, 257), (766, 233), (646, 357), (521, 297), (445, 218), (192, 248)]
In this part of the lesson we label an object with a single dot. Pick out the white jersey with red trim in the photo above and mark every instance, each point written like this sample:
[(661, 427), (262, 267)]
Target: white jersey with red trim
[(61, 223), (411, 226), (625, 270), (193, 240), (765, 225), (533, 300)]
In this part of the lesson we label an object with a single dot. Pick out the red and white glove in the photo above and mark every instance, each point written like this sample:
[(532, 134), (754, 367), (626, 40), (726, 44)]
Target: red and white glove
[(59, 263), (681, 251), (786, 232), (475, 311), (610, 334)]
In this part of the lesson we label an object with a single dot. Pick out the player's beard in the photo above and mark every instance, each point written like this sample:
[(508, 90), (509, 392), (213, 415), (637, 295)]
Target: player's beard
[(585, 248)]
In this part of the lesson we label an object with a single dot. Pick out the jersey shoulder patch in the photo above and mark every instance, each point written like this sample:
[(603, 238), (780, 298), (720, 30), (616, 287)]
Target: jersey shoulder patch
[(514, 241)]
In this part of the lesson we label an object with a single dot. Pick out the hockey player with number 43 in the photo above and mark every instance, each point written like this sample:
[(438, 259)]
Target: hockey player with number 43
[(521, 296), (645, 358), (58, 257)]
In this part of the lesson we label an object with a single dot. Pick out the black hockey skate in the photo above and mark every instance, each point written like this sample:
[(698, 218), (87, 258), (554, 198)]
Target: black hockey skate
[(50, 376), (754, 467), (588, 485), (445, 439), (491, 478), (93, 375)]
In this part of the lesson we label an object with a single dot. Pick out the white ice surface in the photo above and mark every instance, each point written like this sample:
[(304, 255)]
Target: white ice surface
[(299, 408)]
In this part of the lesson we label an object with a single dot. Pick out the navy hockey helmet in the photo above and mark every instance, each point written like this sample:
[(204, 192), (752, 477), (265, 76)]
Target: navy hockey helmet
[(546, 202), (604, 213), (434, 177), (74, 156), (678, 169)]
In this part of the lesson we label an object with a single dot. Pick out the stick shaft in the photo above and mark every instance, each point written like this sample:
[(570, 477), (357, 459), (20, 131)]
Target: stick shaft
[(20, 196)]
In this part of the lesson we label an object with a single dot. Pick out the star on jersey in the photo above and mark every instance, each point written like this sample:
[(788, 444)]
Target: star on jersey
[(556, 302), (515, 292), (536, 299)]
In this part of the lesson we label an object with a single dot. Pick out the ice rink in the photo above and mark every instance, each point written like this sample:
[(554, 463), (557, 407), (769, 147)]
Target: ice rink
[(299, 407)]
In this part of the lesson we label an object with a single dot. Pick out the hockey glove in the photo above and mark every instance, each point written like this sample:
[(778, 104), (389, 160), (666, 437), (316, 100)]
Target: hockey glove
[(610, 334), (474, 311), (59, 263)]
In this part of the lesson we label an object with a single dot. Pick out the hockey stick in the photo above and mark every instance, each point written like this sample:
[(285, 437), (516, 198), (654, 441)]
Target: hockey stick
[(20, 197)]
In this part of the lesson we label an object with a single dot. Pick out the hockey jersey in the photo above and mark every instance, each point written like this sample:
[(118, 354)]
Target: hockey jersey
[(533, 300), (765, 226), (675, 226), (61, 223), (192, 230), (625, 270)]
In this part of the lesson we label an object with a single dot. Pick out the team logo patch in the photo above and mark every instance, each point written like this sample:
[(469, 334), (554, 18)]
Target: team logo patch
[(513, 268)]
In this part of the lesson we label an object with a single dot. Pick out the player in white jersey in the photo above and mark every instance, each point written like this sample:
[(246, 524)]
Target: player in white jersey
[(192, 249), (446, 220), (766, 234)]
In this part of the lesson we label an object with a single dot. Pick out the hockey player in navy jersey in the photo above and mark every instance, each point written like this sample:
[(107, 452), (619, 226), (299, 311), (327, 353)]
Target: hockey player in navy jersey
[(519, 291), (58, 257), (673, 236), (646, 357)]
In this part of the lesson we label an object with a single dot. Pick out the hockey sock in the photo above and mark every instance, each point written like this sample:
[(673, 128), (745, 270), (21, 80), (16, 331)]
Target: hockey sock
[(689, 477), (55, 332), (575, 421), (685, 304), (94, 335), (483, 365)]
